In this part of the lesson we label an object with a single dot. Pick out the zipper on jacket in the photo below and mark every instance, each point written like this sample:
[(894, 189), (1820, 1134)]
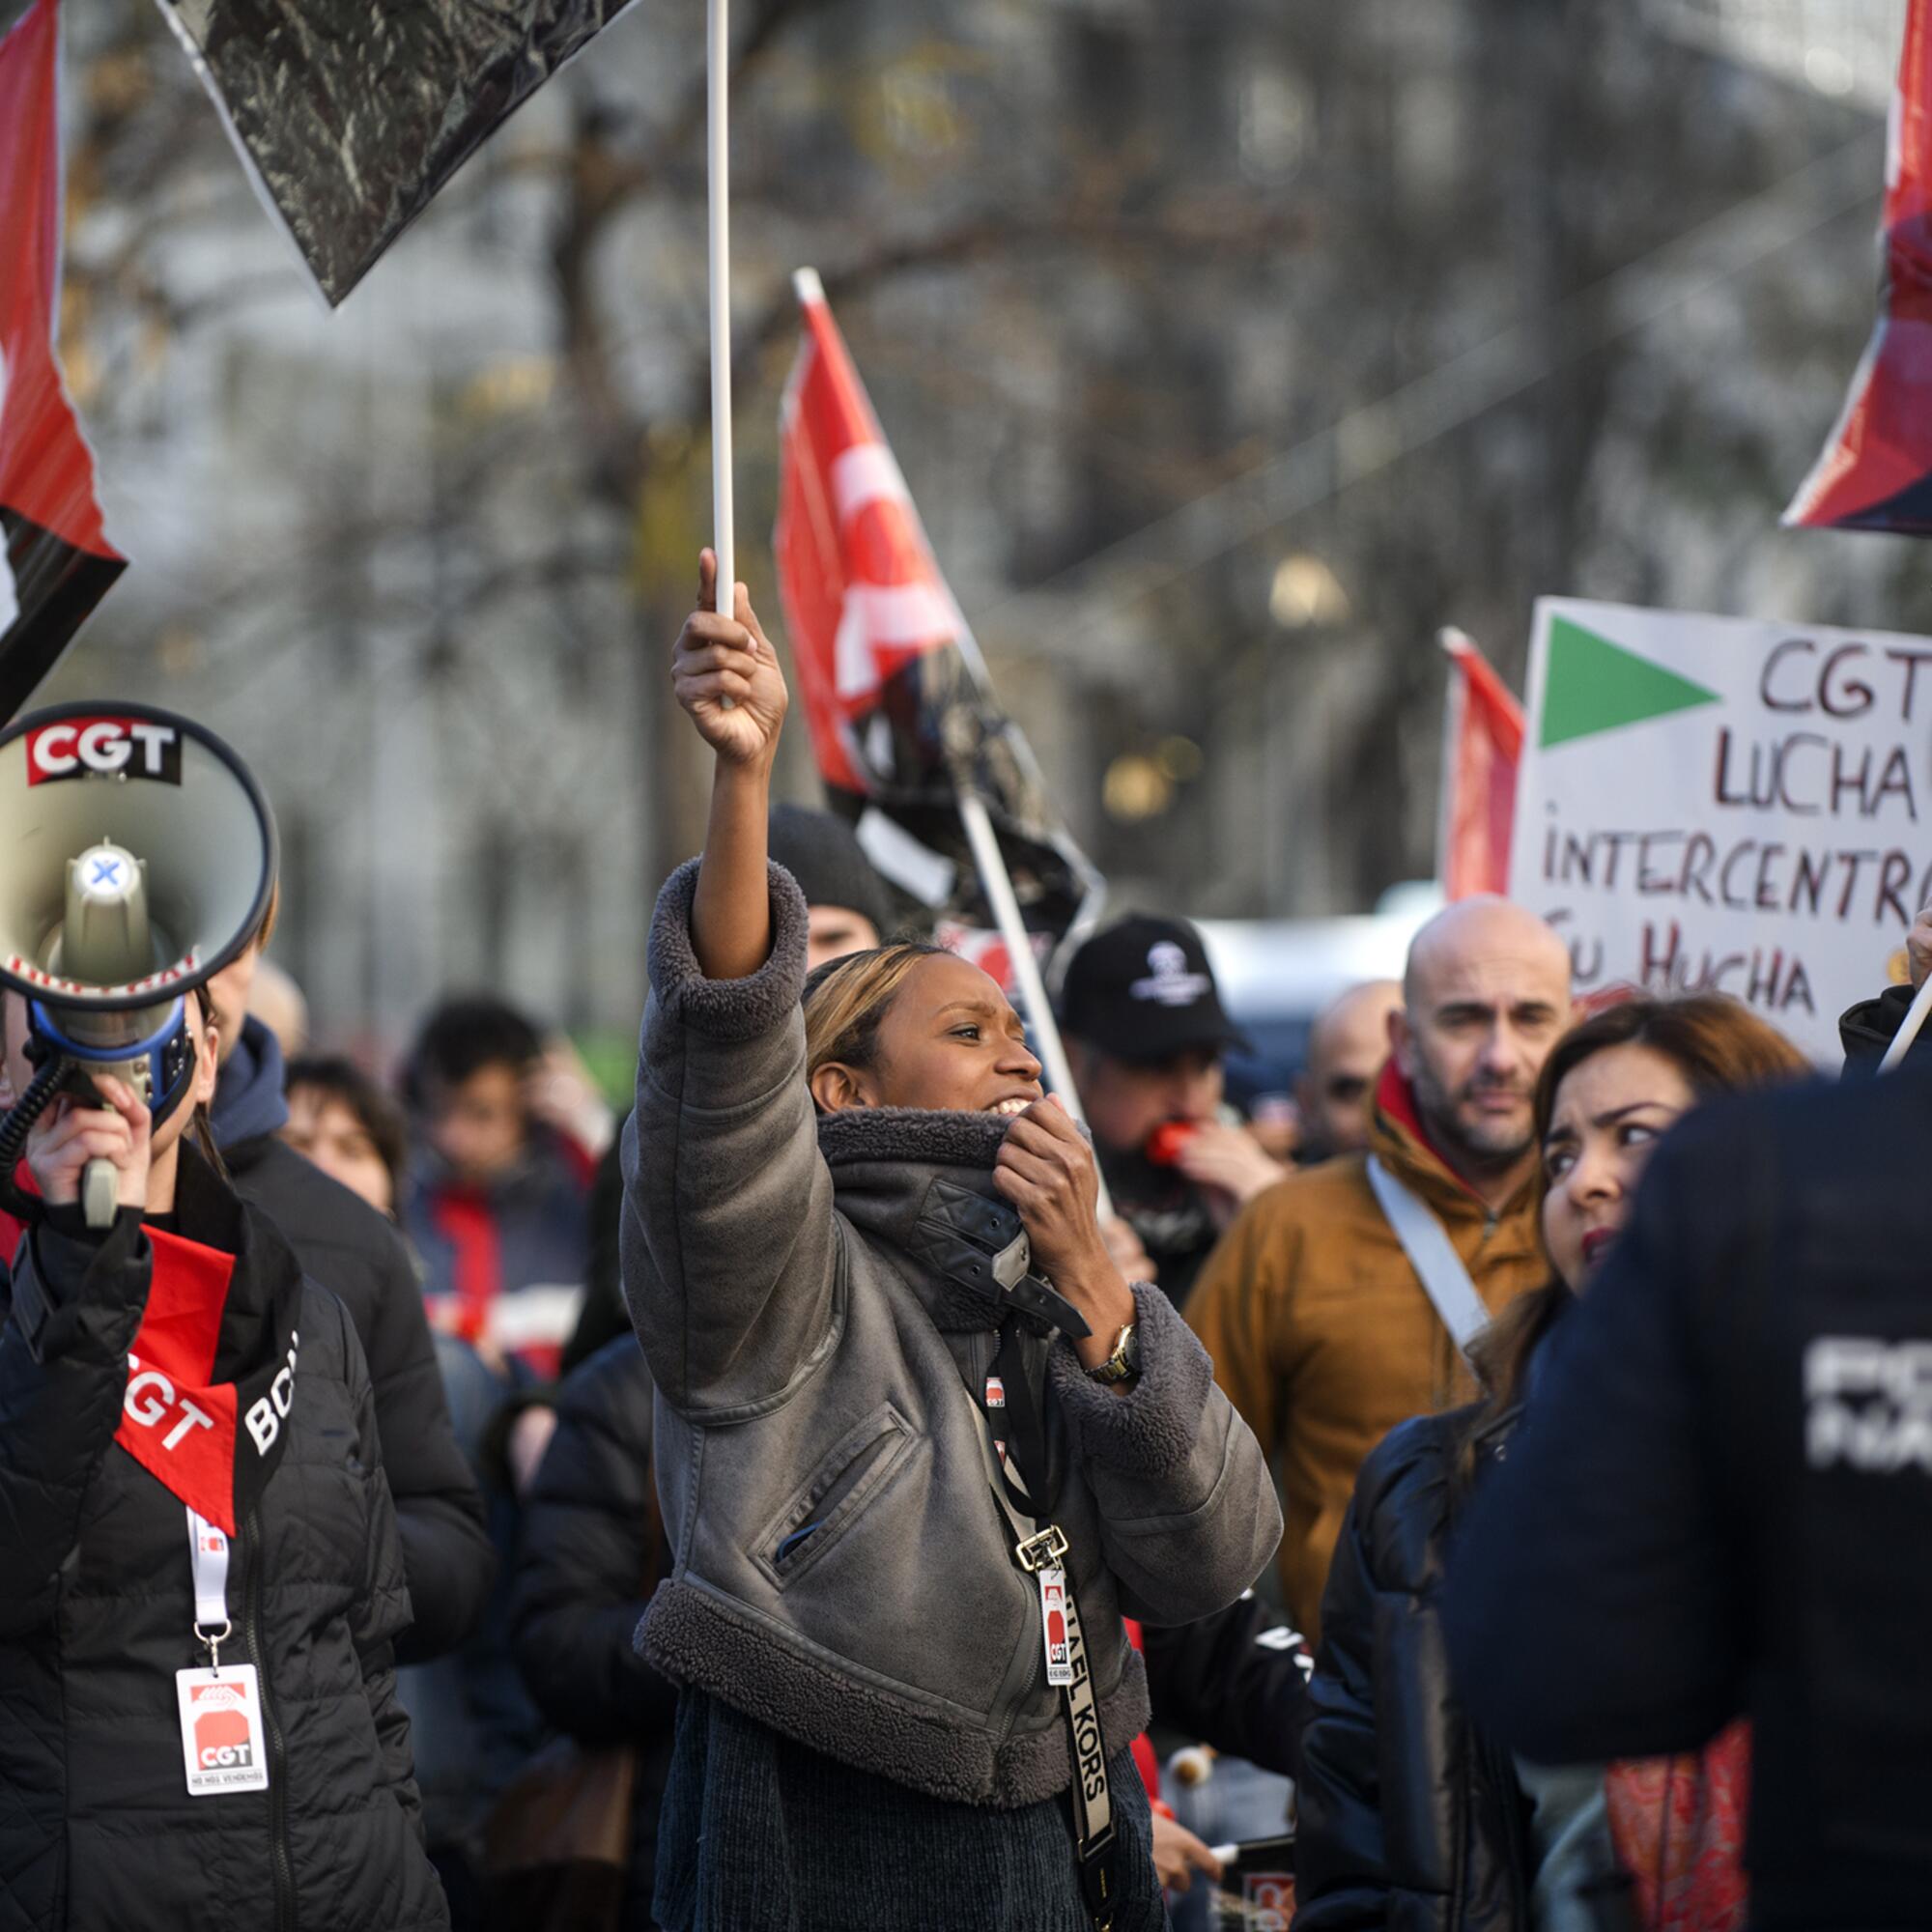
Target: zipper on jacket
[(278, 1757)]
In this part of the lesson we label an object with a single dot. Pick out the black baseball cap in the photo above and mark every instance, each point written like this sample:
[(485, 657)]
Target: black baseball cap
[(1143, 990)]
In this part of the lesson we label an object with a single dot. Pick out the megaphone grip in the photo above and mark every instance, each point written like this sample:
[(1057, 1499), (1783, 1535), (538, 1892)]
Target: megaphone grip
[(99, 1193)]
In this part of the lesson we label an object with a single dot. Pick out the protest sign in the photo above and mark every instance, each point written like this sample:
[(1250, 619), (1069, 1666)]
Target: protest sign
[(1711, 803)]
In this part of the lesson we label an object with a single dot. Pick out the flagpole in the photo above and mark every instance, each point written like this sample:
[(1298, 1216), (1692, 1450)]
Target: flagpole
[(999, 889), (719, 150), (1909, 1028)]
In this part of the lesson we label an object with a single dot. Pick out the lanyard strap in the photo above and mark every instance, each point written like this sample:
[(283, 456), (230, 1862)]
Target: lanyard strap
[(207, 1551), (1433, 1257), (1021, 1426), (1089, 1794)]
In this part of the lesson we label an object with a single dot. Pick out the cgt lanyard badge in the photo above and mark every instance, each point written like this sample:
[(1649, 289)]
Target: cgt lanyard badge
[(220, 1708), (1041, 1553)]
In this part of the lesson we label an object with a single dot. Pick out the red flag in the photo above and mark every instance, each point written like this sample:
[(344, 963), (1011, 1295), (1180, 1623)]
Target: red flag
[(58, 562), (1481, 744), (900, 706), (863, 594), (1876, 471)]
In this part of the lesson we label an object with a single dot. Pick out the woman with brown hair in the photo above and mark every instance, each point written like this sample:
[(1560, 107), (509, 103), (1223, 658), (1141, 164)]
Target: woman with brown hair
[(1406, 1811), (920, 1447)]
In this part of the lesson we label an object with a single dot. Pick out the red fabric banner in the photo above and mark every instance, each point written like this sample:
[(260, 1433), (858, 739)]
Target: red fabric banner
[(1482, 744), (1876, 471), (58, 562), (863, 595)]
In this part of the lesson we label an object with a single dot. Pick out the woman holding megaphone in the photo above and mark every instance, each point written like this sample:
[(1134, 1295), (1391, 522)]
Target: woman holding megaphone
[(200, 1576), (919, 1445)]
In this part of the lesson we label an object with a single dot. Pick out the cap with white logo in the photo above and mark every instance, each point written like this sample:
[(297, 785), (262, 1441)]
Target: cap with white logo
[(1143, 990)]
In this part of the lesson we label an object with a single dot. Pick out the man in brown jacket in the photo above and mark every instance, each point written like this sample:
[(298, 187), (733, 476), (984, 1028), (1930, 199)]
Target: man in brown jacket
[(1322, 1331)]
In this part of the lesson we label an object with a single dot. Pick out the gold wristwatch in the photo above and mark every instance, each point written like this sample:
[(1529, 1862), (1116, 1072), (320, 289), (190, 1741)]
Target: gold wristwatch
[(1124, 1363)]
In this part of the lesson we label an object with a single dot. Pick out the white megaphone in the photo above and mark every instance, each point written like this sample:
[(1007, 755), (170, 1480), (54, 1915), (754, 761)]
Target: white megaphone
[(138, 859)]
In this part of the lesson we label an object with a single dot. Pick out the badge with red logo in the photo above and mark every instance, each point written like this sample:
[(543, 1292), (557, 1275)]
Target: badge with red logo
[(1053, 1622), (996, 1392), (221, 1730)]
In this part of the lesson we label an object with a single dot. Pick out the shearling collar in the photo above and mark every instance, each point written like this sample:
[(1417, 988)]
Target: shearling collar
[(865, 1134), (923, 1183)]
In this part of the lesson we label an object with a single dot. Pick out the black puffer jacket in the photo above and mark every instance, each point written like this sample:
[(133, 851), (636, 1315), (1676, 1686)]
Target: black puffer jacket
[(97, 1833), (343, 1243), (591, 1549), (1408, 1816)]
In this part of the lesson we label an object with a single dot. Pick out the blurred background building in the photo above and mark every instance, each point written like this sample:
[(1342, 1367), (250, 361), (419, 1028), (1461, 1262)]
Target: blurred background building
[(1230, 350)]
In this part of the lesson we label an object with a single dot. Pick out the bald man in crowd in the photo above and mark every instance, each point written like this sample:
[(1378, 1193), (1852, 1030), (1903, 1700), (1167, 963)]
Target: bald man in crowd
[(1334, 1305), (1348, 1045)]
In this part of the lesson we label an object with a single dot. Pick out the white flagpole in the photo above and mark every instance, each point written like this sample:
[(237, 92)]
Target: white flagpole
[(1909, 1028), (719, 146), (999, 886)]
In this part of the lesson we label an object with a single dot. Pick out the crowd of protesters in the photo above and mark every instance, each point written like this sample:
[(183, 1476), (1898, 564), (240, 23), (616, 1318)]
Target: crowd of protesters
[(675, 1518)]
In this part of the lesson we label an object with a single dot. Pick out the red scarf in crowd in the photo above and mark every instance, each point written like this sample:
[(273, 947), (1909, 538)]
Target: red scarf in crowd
[(1678, 1825)]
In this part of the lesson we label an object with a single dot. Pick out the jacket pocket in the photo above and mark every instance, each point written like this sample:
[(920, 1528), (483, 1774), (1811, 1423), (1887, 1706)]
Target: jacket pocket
[(827, 1504)]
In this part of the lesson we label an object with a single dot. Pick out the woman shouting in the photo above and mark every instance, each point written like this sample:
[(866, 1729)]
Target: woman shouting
[(920, 1446)]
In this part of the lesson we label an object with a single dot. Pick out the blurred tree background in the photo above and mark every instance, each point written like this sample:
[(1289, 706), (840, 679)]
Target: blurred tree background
[(1229, 351)]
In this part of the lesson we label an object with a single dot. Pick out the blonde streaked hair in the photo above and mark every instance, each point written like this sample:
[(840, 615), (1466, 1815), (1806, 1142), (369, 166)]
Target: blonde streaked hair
[(846, 1002)]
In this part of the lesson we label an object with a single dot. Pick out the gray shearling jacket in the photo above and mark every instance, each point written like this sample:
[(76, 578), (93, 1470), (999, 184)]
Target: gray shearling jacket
[(814, 1365)]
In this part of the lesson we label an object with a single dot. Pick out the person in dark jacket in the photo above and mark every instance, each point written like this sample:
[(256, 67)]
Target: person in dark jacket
[(913, 1489), (359, 1257), (1720, 1502), (591, 1549), (201, 1726), (1410, 1811)]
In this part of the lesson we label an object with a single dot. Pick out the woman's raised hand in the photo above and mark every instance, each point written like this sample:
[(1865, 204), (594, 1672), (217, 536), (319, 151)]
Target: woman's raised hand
[(718, 658)]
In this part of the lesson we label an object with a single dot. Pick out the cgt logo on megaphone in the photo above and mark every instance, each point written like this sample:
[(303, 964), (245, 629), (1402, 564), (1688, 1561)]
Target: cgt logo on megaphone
[(105, 748)]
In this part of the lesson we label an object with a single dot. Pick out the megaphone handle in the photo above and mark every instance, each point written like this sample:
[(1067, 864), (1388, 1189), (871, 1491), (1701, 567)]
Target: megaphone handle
[(99, 1193)]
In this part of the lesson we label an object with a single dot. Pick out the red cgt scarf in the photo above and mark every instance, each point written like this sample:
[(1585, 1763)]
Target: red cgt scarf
[(211, 1381), (211, 1377)]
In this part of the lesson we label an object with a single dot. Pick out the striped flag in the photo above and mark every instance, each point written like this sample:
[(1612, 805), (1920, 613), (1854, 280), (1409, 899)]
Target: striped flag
[(896, 696), (58, 564)]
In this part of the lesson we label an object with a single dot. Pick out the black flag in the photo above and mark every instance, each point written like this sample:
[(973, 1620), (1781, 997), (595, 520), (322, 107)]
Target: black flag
[(353, 114)]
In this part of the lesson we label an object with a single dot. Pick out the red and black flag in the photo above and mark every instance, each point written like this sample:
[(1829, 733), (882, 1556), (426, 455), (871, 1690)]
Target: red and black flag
[(901, 711), (1876, 471), (58, 562), (350, 115)]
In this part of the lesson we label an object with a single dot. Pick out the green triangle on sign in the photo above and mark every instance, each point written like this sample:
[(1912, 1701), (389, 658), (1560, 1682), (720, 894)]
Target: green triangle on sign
[(1591, 684)]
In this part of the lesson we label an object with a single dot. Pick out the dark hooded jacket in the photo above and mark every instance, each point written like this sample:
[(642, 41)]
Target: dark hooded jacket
[(343, 1243), (591, 1551), (97, 1833), (1408, 1815)]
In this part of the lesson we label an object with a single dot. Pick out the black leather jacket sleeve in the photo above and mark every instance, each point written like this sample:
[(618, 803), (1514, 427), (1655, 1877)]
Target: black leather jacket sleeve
[(1342, 1850), (71, 1314), (1237, 1680), (587, 1545)]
